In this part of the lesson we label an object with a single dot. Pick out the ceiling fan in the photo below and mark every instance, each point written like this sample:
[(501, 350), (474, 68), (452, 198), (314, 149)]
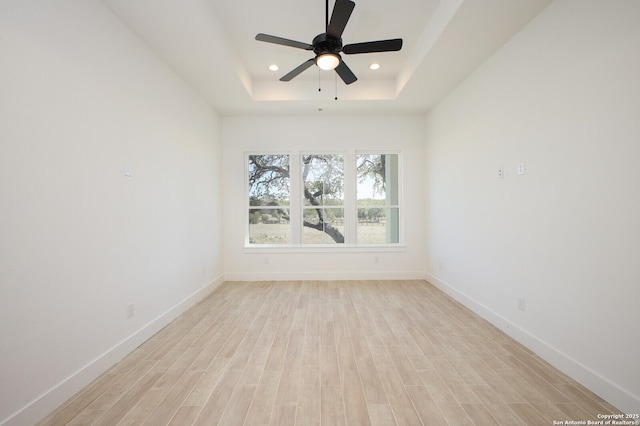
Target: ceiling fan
[(328, 45)]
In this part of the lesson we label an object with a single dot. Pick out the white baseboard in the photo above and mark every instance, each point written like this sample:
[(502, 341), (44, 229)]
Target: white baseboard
[(37, 409), (325, 275), (601, 386)]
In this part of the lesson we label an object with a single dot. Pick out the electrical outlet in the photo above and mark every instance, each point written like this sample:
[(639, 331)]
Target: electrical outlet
[(500, 173), (130, 310), (520, 168)]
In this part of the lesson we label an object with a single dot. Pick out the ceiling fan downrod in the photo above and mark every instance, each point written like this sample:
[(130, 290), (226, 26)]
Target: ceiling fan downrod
[(326, 15)]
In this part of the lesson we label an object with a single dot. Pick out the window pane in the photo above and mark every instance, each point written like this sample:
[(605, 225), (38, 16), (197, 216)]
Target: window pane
[(377, 176), (269, 186), (377, 199), (269, 180), (323, 226), (269, 226), (323, 180), (378, 225)]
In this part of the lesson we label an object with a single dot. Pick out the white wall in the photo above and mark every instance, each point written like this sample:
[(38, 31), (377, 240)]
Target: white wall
[(295, 134), (562, 97), (80, 96)]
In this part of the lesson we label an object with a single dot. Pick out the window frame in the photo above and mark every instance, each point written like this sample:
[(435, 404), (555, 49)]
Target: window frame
[(249, 207), (304, 206), (296, 205), (386, 206)]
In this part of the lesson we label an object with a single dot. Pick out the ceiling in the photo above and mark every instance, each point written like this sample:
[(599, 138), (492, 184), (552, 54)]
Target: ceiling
[(211, 45)]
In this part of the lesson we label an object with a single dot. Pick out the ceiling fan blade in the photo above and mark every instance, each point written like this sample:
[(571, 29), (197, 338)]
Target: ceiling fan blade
[(373, 46), (294, 73), (283, 41), (339, 17), (345, 73)]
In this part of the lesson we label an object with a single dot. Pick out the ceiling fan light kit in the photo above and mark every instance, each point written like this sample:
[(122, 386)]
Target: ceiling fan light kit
[(328, 45), (327, 61)]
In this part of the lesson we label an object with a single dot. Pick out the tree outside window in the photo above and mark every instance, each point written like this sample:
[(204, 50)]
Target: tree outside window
[(269, 187), (323, 198), (372, 217), (377, 199)]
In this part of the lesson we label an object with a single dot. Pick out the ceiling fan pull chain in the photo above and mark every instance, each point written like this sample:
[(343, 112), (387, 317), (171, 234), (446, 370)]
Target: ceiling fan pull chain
[(319, 80), (335, 79)]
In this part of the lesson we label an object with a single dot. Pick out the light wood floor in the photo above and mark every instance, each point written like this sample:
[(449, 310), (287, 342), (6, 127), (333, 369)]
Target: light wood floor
[(330, 353)]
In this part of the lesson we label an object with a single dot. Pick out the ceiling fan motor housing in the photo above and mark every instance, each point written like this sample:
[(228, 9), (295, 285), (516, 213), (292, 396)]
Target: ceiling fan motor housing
[(322, 43)]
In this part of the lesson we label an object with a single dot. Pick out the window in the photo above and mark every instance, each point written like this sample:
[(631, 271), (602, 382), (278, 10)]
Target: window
[(324, 199), (269, 187), (377, 199)]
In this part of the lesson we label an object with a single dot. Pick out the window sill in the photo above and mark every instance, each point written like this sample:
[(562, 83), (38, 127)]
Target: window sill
[(325, 248)]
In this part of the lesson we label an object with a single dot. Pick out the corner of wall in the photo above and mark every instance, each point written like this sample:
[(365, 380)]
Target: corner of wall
[(595, 382), (62, 392)]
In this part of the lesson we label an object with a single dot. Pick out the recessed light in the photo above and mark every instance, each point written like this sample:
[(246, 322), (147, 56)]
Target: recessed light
[(374, 66), (274, 67)]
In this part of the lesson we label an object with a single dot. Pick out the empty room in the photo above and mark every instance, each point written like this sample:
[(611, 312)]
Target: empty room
[(319, 213)]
